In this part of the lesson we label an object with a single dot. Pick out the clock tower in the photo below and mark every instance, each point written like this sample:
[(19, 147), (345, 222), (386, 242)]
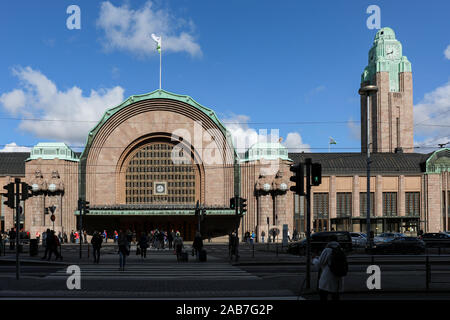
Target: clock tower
[(392, 106)]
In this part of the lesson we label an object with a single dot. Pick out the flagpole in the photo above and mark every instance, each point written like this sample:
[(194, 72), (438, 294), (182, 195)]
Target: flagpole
[(160, 63)]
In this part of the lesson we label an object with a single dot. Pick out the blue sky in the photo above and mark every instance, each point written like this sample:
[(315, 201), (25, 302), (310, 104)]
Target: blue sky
[(263, 64)]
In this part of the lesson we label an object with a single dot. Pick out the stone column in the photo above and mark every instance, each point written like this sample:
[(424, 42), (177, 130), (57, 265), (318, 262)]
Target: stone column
[(401, 196), (378, 196)]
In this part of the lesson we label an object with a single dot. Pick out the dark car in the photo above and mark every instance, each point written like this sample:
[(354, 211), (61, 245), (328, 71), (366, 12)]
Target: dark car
[(319, 241), (400, 245), (436, 240)]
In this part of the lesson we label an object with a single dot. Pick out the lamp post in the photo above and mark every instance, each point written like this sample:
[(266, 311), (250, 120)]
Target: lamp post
[(366, 91)]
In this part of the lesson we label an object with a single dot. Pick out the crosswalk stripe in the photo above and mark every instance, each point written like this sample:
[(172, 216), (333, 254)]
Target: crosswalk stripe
[(161, 271)]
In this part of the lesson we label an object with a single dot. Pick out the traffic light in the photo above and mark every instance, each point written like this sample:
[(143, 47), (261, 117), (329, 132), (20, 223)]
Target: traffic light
[(242, 205), (316, 174), (233, 203), (85, 206), (26, 191), (298, 179), (9, 195)]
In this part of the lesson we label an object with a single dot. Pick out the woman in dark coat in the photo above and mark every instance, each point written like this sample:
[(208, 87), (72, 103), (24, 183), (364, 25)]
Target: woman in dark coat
[(123, 249), (143, 244), (198, 244)]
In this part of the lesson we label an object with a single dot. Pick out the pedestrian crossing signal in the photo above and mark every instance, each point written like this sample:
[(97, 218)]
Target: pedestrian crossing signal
[(242, 205), (298, 179), (316, 174), (9, 195), (232, 203)]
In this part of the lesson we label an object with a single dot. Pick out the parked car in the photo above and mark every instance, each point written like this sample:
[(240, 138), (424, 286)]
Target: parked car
[(400, 245), (436, 240), (359, 239), (319, 241), (387, 236)]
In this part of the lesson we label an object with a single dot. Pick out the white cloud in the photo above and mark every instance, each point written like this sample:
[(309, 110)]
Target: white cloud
[(13, 147), (43, 100), (432, 116), (447, 52), (244, 136), (13, 101), (129, 30), (294, 143)]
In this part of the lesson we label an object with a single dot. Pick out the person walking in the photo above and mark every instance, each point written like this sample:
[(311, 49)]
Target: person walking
[(105, 235), (178, 245), (233, 246), (263, 234), (197, 244), (124, 249), (52, 245), (46, 242), (333, 266), (143, 245), (170, 237), (96, 242)]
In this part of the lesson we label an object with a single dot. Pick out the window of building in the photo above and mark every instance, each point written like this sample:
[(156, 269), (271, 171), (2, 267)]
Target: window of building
[(320, 205), (143, 184), (343, 204), (412, 205), (390, 204), (363, 204)]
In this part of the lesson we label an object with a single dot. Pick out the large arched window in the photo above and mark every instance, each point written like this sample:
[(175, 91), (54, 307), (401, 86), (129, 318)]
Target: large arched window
[(153, 178)]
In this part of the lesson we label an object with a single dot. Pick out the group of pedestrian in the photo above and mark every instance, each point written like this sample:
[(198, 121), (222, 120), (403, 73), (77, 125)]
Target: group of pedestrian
[(52, 244), (249, 237)]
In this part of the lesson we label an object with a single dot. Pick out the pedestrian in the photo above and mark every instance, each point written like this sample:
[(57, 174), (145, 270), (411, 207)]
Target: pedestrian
[(12, 239), (45, 242), (197, 245), (143, 244), (170, 237), (52, 245), (252, 238), (105, 235), (65, 237), (295, 235), (233, 246), (116, 236), (124, 249), (85, 236), (263, 234), (333, 266), (96, 242), (178, 245)]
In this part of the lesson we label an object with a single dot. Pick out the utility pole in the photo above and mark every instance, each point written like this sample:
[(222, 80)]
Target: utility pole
[(366, 92), (308, 163), (17, 182), (80, 210)]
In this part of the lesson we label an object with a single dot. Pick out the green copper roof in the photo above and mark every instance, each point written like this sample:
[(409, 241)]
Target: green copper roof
[(52, 150), (439, 161), (266, 150), (386, 55), (157, 94)]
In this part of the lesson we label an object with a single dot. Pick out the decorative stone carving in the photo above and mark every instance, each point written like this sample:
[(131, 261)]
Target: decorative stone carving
[(38, 184)]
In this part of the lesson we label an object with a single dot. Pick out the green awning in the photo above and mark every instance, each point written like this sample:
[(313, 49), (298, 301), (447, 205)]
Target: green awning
[(164, 212)]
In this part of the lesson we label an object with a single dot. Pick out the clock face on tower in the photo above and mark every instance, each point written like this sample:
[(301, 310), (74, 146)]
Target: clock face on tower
[(392, 52), (160, 188)]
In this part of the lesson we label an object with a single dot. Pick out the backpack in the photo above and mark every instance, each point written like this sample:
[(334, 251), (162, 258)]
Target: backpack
[(338, 262)]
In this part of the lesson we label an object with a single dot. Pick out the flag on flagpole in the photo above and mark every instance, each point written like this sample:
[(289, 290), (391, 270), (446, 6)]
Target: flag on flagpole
[(158, 42), (332, 141)]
